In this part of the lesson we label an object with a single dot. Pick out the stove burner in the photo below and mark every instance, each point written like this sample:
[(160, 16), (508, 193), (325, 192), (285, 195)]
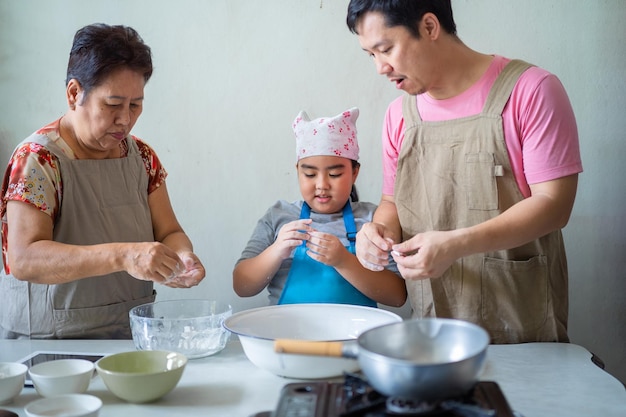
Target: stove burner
[(467, 410), (404, 406), (354, 397), (358, 396), (408, 407)]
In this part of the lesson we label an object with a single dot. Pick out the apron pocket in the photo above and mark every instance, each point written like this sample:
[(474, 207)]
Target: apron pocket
[(101, 322), (14, 312), (515, 295), (482, 190)]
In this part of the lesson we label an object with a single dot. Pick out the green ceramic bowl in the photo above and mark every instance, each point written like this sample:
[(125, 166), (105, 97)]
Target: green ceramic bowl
[(141, 376)]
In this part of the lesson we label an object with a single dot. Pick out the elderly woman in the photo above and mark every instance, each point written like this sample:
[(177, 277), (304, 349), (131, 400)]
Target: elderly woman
[(87, 224)]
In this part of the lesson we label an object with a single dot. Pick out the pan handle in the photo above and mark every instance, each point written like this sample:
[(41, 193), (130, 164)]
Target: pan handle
[(307, 347)]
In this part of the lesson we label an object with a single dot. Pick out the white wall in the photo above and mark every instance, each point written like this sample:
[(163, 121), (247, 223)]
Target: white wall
[(230, 76)]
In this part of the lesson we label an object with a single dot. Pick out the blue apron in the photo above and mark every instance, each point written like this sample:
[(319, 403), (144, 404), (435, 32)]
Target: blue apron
[(310, 281)]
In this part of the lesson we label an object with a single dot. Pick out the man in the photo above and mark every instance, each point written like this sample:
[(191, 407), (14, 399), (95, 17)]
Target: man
[(481, 163)]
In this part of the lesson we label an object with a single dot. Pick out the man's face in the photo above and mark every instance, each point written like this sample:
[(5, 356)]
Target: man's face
[(398, 54)]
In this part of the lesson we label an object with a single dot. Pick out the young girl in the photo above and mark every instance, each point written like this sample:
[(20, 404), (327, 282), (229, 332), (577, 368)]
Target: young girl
[(303, 252)]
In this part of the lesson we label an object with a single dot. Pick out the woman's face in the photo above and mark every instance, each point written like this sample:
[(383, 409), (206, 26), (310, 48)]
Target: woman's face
[(326, 182), (104, 117)]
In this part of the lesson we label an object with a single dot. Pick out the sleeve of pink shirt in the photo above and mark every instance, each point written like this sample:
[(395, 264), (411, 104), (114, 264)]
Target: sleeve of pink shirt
[(540, 118), (393, 135), (539, 125)]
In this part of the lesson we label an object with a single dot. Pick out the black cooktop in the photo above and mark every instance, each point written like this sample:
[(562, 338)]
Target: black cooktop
[(354, 397)]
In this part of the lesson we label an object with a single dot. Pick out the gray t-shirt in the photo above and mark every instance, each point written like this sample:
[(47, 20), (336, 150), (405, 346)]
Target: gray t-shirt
[(283, 212)]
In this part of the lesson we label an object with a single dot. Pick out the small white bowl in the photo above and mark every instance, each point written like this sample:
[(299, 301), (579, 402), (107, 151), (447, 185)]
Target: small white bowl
[(63, 376), (12, 377), (70, 405)]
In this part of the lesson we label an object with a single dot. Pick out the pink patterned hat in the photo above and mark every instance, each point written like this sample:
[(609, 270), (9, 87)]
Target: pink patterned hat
[(327, 136)]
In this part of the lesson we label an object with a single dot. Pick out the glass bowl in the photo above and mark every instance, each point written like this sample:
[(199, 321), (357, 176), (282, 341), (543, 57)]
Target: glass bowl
[(191, 327)]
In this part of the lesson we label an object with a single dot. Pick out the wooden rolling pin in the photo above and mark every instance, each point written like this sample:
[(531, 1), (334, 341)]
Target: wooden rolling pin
[(308, 347)]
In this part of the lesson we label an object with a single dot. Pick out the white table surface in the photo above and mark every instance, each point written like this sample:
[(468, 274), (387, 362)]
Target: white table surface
[(538, 380)]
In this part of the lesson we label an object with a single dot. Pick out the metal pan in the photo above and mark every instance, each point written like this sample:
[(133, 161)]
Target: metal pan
[(426, 359)]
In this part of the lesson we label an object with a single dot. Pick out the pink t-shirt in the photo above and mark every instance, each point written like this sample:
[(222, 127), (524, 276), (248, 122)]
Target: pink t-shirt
[(539, 126)]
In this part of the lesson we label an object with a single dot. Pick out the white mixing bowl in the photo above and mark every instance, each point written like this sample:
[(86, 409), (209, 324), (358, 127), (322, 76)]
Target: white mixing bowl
[(258, 328)]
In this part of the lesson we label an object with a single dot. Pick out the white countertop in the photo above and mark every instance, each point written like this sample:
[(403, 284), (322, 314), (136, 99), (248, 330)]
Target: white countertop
[(538, 380)]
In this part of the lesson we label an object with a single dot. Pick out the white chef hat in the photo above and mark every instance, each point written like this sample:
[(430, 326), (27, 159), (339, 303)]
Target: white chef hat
[(327, 136)]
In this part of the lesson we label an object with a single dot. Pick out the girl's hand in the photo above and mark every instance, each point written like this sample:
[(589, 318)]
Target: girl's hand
[(292, 235), (326, 248)]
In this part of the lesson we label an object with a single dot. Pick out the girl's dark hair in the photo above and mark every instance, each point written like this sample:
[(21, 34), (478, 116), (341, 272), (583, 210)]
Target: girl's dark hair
[(407, 13), (354, 195), (100, 49)]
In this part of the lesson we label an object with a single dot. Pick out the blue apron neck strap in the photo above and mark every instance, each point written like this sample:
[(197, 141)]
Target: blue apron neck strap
[(305, 212), (348, 220)]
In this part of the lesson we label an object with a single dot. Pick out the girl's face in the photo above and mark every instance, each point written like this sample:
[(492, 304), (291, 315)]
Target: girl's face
[(326, 182), (107, 114)]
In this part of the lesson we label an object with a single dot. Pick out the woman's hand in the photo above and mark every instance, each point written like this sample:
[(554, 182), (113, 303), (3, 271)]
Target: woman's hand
[(151, 261), (189, 275)]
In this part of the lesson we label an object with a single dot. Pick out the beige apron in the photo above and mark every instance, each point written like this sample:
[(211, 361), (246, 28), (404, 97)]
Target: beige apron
[(454, 174), (103, 201)]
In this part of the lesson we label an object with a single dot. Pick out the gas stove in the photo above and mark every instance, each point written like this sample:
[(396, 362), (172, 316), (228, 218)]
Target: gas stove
[(354, 397)]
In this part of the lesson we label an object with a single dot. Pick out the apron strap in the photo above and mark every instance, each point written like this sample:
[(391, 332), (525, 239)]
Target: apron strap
[(500, 92), (305, 213), (348, 221)]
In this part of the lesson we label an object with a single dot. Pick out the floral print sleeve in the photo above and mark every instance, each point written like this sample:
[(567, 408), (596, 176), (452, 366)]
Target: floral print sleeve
[(154, 168), (33, 177)]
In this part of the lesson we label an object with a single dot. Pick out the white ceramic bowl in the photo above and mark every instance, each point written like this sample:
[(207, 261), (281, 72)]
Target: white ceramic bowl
[(12, 377), (63, 376), (69, 405), (258, 328), (141, 376), (191, 327)]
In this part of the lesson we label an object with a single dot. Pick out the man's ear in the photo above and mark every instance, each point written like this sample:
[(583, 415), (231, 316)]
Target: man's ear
[(429, 26)]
